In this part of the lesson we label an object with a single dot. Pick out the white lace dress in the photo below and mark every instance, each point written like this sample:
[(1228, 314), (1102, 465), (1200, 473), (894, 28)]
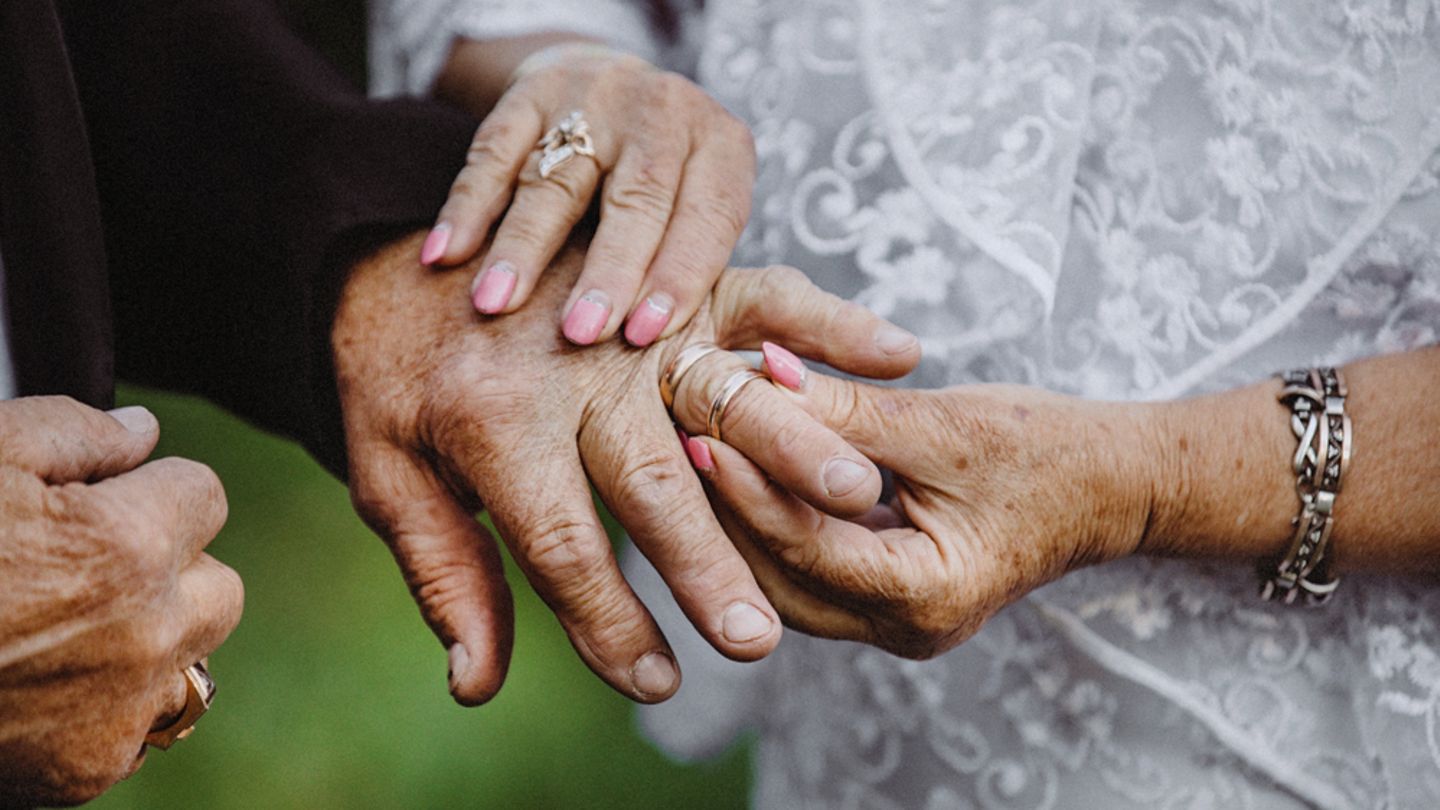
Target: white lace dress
[(1122, 199)]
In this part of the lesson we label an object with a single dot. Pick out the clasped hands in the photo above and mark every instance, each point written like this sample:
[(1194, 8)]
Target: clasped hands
[(998, 489)]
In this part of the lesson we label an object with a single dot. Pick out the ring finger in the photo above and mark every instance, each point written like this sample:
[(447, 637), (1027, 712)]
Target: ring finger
[(801, 454), (540, 218)]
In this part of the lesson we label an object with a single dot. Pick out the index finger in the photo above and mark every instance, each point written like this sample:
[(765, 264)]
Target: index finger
[(483, 188), (183, 500)]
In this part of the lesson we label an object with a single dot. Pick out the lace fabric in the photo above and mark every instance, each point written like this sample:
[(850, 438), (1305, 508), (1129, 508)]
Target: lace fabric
[(1128, 199)]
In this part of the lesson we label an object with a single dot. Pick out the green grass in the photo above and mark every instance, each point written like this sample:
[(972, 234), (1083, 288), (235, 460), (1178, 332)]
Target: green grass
[(332, 691)]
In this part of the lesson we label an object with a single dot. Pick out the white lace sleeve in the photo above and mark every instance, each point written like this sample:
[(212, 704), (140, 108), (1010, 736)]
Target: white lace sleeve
[(410, 39)]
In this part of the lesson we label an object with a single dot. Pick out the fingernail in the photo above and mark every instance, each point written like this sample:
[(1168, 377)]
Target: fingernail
[(459, 663), (491, 290), (654, 674), (893, 339), (649, 320), (784, 367), (587, 318), (700, 456), (135, 419), (745, 622), (843, 475), (435, 244)]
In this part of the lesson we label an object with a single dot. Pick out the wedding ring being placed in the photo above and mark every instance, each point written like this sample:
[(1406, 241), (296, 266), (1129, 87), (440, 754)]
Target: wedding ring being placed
[(683, 362), (199, 694), (565, 140), (732, 386)]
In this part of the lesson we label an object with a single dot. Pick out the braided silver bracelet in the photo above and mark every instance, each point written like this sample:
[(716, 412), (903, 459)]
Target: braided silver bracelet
[(1316, 399)]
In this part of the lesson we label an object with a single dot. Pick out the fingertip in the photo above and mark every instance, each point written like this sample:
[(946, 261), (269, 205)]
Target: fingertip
[(475, 682), (655, 677), (436, 243), (897, 347), (752, 630), (853, 486), (493, 289), (587, 318), (649, 319), (701, 456), (137, 419)]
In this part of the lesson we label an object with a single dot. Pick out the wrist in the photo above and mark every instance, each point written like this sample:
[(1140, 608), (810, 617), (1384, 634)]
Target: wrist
[(477, 73), (1222, 486)]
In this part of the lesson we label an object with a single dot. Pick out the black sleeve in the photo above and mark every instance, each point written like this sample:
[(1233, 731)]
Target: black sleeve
[(239, 177)]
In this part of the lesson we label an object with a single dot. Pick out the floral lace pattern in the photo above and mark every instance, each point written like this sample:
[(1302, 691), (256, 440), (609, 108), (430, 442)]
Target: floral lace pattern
[(1124, 199)]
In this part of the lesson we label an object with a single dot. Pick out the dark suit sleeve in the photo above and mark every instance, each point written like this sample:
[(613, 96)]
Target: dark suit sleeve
[(239, 178)]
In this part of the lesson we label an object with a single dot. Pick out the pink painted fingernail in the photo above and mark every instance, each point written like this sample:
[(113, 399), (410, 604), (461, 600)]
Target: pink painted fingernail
[(649, 320), (587, 318), (435, 244), (492, 289), (784, 367), (700, 456)]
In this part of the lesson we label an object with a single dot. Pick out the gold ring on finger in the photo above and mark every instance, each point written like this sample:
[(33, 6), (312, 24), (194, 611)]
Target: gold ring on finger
[(675, 372), (199, 694), (563, 141), (732, 386)]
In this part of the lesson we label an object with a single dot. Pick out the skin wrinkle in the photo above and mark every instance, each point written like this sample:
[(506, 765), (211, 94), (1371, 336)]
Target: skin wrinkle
[(518, 418)]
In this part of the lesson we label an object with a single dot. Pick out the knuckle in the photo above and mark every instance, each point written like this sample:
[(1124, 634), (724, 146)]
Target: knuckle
[(155, 644), (731, 211), (780, 280), (470, 415), (442, 580), (230, 596), (563, 549), (652, 481), (793, 437), (487, 150), (643, 193), (739, 133), (671, 88)]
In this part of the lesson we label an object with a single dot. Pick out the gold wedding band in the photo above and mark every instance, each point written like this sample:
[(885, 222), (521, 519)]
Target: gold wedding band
[(732, 386), (199, 694), (683, 362)]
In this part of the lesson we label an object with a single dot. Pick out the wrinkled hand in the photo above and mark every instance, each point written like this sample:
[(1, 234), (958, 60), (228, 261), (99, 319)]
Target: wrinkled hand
[(674, 169), (105, 594), (446, 411), (999, 490)]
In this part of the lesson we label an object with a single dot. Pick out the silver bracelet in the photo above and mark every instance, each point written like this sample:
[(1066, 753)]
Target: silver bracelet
[(1316, 399)]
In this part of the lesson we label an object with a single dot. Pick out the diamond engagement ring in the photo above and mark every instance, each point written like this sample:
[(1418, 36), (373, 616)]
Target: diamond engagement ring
[(565, 140)]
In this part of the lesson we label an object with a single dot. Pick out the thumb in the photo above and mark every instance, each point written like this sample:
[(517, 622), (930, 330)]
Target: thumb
[(62, 440), (781, 305), (449, 561), (896, 428)]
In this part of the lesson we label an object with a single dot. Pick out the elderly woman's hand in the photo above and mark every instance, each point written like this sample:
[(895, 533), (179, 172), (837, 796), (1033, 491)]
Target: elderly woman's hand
[(999, 489), (674, 170)]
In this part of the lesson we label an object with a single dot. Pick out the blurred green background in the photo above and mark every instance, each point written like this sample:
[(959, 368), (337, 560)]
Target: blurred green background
[(332, 691)]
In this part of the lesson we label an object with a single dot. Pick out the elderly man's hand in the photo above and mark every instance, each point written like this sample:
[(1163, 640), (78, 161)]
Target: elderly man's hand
[(105, 594), (446, 411)]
